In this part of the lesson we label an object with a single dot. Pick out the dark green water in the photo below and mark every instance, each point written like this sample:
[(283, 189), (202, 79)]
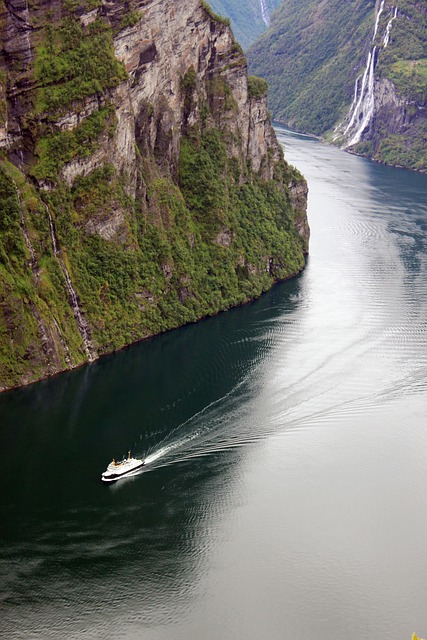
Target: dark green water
[(285, 494)]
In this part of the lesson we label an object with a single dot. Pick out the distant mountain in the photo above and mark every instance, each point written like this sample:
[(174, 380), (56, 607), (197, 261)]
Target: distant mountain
[(354, 72), (249, 18)]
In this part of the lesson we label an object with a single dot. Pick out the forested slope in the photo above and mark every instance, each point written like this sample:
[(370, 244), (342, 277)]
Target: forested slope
[(307, 56), (354, 71)]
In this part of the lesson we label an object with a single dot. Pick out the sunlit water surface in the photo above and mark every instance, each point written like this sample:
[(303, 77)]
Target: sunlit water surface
[(285, 494)]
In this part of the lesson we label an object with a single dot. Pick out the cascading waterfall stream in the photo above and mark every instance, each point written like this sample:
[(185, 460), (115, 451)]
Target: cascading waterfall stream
[(36, 275), (52, 233), (377, 21), (337, 131), (357, 105), (63, 344), (362, 108), (367, 105), (388, 29), (27, 30), (356, 92), (81, 320), (33, 259), (264, 12)]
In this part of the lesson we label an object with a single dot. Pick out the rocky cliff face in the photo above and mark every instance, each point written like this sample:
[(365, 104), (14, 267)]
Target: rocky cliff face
[(141, 183)]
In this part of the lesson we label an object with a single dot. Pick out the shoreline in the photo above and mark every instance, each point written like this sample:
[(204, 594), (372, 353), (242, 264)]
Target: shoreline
[(4, 390), (323, 140)]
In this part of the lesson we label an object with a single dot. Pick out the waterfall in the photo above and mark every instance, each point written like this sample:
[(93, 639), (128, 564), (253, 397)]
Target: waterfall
[(350, 111), (33, 259), (355, 113), (72, 295), (52, 233), (356, 91), (264, 12), (365, 104), (25, 23), (81, 321), (362, 108), (388, 29), (368, 103), (36, 274), (63, 343), (381, 9)]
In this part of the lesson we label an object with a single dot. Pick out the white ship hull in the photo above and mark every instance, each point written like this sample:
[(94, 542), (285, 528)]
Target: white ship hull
[(123, 469)]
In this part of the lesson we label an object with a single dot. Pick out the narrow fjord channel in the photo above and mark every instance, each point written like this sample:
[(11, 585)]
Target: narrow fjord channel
[(285, 495)]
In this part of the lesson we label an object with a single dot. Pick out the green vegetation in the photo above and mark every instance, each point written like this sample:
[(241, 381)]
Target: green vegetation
[(308, 56), (410, 77), (189, 81), (18, 327), (188, 86), (404, 62), (87, 5), (168, 266), (404, 150), (218, 88), (207, 243), (130, 20), (257, 87), (75, 62), (313, 53), (11, 241), (29, 303), (215, 16), (56, 149)]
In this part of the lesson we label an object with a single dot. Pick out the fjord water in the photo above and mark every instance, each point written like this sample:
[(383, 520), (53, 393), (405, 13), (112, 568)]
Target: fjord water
[(285, 491)]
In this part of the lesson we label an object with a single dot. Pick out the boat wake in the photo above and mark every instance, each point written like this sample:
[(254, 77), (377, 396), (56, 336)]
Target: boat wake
[(206, 432)]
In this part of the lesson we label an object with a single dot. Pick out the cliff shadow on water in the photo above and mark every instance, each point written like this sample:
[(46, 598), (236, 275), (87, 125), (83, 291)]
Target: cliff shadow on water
[(178, 398), (168, 399)]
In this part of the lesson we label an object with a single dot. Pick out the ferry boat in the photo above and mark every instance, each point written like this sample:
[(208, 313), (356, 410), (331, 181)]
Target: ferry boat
[(126, 467)]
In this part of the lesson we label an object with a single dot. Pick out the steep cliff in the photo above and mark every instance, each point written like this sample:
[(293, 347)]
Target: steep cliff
[(141, 184), (354, 72)]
